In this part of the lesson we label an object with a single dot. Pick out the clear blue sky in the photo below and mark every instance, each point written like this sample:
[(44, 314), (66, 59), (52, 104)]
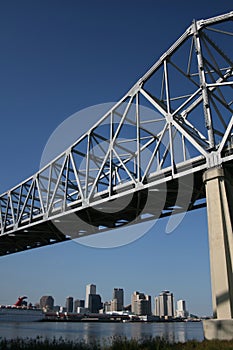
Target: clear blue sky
[(56, 58)]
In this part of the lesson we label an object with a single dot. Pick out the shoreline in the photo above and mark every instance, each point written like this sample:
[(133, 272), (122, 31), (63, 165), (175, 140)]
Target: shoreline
[(113, 344), (74, 317), (114, 321)]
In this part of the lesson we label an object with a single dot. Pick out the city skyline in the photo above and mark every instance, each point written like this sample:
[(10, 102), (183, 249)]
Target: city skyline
[(56, 61), (164, 303), (165, 307)]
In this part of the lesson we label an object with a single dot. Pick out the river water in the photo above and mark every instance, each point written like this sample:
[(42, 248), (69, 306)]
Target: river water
[(97, 331)]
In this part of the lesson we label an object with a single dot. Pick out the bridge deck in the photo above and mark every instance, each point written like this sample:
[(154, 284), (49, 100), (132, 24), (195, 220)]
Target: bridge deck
[(144, 159)]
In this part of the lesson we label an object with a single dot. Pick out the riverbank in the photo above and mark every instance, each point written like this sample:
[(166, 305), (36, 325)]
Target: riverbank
[(112, 344)]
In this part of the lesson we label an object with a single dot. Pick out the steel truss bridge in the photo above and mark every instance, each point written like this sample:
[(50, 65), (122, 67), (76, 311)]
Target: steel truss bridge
[(145, 158)]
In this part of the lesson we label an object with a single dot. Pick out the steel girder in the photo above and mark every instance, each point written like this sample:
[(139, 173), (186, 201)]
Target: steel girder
[(175, 122)]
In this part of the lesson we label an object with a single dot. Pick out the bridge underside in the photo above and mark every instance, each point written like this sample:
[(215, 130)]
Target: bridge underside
[(143, 205), (155, 202), (36, 236)]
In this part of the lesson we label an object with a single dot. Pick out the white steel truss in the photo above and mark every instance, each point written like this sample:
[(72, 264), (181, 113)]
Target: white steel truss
[(175, 121)]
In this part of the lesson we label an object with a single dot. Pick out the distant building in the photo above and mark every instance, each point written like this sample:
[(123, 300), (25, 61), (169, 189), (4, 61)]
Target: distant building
[(69, 304), (82, 310), (62, 309), (114, 305), (107, 306), (90, 289), (141, 304), (164, 305), (128, 308), (94, 303), (46, 303), (118, 299), (56, 308), (78, 303), (181, 309)]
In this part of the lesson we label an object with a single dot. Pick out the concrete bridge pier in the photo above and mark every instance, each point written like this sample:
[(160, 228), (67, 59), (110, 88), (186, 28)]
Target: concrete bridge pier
[(219, 197)]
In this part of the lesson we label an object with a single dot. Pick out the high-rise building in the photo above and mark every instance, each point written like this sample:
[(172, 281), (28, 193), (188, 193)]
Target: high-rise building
[(141, 304), (107, 306), (181, 309), (46, 302), (94, 303), (118, 299), (69, 304), (90, 289), (164, 305), (78, 303), (114, 305)]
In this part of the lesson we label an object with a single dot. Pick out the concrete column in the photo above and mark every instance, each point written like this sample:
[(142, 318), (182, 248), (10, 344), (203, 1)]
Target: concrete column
[(219, 211)]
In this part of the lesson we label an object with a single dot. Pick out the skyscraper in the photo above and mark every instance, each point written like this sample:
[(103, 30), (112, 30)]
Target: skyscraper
[(90, 289), (181, 309), (141, 304), (46, 302), (107, 306), (95, 303), (69, 304), (78, 303), (118, 299), (164, 305)]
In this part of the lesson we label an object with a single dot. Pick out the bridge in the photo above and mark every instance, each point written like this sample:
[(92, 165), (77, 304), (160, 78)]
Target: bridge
[(165, 147)]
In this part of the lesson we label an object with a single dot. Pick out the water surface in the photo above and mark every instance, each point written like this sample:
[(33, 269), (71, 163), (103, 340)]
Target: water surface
[(98, 331)]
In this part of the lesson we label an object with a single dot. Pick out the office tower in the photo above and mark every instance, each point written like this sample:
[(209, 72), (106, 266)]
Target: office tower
[(107, 306), (46, 302), (78, 303), (164, 306), (90, 289), (94, 302), (141, 304), (181, 309), (69, 304), (118, 299), (114, 305)]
